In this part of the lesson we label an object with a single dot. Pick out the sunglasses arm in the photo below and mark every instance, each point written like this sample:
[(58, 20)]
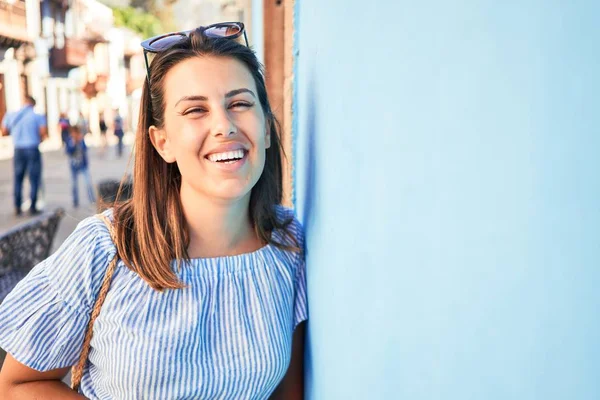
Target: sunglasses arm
[(147, 67)]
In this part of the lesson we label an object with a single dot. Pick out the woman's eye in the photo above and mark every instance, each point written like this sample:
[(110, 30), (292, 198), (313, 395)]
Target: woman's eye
[(241, 104), (196, 110)]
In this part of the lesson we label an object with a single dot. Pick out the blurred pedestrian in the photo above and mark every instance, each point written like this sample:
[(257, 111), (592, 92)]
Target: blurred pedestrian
[(63, 126), (118, 132), (28, 130), (78, 161), (202, 269), (103, 129)]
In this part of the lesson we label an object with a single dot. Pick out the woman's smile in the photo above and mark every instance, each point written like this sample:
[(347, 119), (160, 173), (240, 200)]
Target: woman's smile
[(229, 161)]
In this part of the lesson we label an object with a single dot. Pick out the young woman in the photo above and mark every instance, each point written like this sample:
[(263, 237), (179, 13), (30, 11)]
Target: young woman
[(208, 295)]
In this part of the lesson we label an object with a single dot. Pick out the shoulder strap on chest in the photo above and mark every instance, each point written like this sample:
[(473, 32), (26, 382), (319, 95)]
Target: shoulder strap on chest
[(77, 372)]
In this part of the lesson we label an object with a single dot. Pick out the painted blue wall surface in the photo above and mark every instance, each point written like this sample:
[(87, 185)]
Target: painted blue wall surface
[(448, 175)]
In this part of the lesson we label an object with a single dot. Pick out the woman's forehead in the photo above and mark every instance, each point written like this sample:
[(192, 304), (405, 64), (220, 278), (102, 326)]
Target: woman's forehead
[(206, 76)]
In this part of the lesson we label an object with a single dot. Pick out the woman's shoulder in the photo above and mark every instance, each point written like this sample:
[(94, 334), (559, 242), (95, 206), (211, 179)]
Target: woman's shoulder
[(287, 218), (287, 215), (91, 238), (95, 226)]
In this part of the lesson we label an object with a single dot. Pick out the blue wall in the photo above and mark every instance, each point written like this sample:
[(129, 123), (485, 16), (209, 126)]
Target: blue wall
[(448, 175)]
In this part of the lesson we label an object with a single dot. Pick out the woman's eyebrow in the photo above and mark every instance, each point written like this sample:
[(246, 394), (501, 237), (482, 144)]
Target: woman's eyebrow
[(227, 95), (191, 98), (238, 91)]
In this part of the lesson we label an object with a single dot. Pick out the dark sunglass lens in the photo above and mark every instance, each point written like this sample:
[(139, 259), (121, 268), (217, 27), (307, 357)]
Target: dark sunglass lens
[(222, 31), (166, 42)]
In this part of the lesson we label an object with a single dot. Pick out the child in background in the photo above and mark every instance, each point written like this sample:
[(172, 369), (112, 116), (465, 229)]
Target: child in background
[(63, 125), (119, 132), (78, 160)]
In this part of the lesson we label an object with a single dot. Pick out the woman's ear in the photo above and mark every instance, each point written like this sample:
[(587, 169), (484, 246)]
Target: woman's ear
[(161, 143)]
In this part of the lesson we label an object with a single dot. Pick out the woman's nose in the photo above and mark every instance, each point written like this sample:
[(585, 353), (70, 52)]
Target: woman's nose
[(223, 124)]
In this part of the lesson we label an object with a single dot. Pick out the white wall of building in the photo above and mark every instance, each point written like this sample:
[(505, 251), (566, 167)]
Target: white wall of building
[(10, 69), (117, 84), (33, 18)]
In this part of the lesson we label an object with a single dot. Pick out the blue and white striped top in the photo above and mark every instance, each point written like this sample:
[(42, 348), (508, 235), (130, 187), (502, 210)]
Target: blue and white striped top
[(227, 335)]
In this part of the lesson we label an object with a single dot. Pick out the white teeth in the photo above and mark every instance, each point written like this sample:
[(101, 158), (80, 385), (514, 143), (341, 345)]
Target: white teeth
[(229, 155)]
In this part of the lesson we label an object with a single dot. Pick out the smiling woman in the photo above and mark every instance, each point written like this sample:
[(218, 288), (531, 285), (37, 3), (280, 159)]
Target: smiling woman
[(205, 121), (205, 296)]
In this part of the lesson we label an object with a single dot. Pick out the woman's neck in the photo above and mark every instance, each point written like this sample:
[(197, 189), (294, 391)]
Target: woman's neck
[(216, 227)]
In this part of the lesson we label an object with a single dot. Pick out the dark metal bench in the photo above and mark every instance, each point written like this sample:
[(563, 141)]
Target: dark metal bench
[(24, 246)]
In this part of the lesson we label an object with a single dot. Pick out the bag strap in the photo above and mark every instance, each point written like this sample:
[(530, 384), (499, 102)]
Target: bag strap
[(77, 371)]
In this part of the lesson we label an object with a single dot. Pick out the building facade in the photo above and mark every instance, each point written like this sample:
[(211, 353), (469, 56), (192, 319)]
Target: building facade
[(70, 57), (19, 60)]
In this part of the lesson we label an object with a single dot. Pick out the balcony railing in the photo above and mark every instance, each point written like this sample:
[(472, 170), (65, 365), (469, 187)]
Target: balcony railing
[(13, 20), (91, 89), (101, 83), (73, 54)]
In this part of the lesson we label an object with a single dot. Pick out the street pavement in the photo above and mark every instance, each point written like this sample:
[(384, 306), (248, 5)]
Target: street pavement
[(56, 192)]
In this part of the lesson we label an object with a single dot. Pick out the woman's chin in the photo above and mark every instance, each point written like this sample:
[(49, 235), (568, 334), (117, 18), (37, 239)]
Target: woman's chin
[(231, 192), (231, 189)]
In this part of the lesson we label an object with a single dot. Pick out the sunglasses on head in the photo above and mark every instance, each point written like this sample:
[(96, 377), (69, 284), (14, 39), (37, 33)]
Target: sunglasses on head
[(224, 30)]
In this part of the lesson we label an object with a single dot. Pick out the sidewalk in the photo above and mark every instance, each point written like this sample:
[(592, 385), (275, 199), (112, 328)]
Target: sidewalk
[(56, 189)]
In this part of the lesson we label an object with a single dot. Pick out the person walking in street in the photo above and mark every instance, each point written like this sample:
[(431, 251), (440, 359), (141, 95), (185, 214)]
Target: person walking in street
[(202, 270), (78, 161), (103, 128), (63, 126), (118, 131), (28, 130)]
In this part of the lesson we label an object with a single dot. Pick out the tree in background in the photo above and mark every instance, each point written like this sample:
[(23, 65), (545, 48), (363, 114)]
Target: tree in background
[(161, 10), (137, 20)]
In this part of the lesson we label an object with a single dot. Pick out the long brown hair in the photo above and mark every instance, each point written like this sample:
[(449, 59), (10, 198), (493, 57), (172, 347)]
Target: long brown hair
[(151, 230)]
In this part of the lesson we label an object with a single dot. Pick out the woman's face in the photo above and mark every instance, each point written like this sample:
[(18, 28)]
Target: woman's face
[(214, 127)]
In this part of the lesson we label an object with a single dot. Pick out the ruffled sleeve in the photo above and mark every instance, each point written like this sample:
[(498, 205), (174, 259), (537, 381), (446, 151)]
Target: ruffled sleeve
[(43, 320), (297, 232)]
